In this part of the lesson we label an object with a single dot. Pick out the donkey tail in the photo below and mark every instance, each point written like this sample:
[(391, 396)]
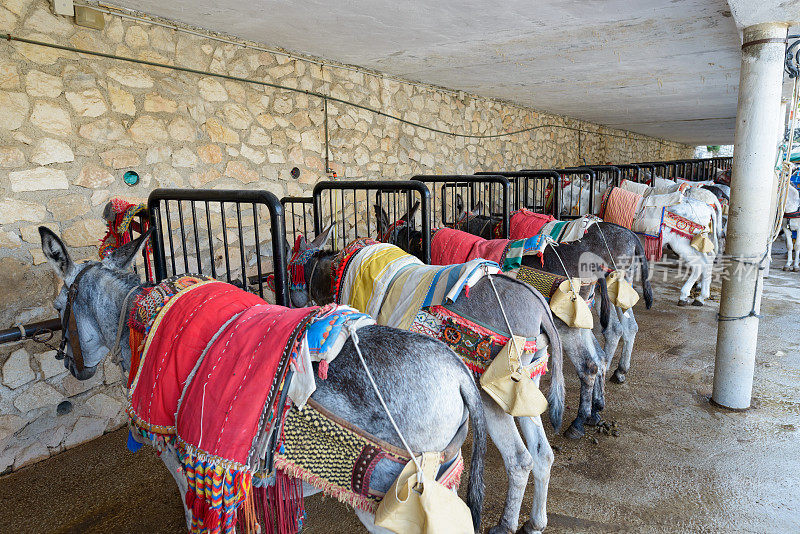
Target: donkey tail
[(605, 303), (472, 399), (645, 265), (555, 397)]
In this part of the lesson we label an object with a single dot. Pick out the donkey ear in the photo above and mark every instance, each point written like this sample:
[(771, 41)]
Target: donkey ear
[(124, 256), (410, 214), (382, 218), (477, 209), (56, 253), (108, 212), (459, 204), (322, 239)]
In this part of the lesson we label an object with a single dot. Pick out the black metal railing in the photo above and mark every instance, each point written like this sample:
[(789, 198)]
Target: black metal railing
[(455, 193), (349, 206), (225, 234)]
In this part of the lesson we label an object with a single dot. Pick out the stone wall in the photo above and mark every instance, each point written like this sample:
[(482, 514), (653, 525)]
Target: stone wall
[(71, 124)]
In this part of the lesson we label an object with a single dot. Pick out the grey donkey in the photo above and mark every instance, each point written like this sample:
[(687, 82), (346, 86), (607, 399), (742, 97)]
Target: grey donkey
[(413, 372), (528, 315), (580, 344), (605, 247)]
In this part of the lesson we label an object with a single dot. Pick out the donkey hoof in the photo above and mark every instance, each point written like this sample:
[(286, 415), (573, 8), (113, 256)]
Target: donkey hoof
[(698, 303), (682, 302), (594, 420), (574, 432), (500, 529), (618, 377), (795, 269), (787, 268)]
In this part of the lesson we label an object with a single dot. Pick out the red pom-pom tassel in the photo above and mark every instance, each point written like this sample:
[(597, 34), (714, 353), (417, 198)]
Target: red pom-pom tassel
[(191, 496), (322, 370)]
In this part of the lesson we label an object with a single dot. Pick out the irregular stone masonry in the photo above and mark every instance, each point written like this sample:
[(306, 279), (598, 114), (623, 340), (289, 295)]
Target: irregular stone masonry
[(71, 125)]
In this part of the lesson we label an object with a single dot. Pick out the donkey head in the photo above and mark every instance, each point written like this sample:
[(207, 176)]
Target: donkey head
[(400, 233), (102, 285), (305, 272)]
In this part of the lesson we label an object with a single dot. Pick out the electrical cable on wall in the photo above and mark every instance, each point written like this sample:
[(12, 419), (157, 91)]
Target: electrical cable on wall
[(8, 37)]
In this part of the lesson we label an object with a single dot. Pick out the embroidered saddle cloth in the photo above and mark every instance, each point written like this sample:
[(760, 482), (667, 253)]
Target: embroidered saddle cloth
[(347, 463)]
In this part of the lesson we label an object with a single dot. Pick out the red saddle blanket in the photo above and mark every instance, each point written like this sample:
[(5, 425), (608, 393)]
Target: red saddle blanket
[(213, 351), (525, 223), (449, 246)]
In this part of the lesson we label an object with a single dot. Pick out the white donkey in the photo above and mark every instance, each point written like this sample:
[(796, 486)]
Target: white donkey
[(791, 226)]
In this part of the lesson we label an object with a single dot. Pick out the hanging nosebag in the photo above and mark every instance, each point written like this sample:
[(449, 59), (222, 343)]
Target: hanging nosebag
[(620, 291), (417, 504), (568, 305), (509, 382)]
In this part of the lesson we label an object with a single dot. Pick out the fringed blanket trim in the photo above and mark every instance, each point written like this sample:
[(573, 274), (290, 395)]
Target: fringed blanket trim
[(334, 456)]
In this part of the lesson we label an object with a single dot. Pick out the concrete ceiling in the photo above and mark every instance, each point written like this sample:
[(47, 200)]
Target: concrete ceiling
[(656, 67)]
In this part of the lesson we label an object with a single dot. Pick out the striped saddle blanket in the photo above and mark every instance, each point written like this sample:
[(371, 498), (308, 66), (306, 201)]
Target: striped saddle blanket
[(391, 285), (212, 381), (569, 231)]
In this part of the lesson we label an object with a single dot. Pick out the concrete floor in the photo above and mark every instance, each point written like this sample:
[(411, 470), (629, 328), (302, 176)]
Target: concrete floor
[(678, 465)]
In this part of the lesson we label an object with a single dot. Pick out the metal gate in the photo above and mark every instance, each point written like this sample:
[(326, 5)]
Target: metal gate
[(453, 193), (232, 235), (299, 214), (348, 205)]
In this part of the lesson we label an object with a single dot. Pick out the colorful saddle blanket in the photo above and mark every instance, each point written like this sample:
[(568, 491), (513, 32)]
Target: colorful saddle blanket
[(211, 381), (345, 462), (569, 231), (416, 296), (449, 246), (391, 285)]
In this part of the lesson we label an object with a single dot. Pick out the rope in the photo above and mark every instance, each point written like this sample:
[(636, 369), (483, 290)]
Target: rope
[(606, 244), (752, 312), (502, 310), (571, 285), (352, 329)]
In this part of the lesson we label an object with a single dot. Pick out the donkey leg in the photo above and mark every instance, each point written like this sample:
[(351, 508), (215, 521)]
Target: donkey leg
[(587, 373), (705, 281), (517, 459), (599, 389), (611, 334), (787, 234), (170, 459), (630, 327), (368, 520), (542, 454), (796, 249)]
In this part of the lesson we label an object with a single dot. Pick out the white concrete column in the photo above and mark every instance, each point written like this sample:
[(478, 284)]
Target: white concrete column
[(749, 220)]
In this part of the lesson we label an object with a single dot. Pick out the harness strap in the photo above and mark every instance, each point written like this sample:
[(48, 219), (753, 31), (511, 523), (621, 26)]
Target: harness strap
[(352, 329), (115, 353), (71, 325), (606, 244)]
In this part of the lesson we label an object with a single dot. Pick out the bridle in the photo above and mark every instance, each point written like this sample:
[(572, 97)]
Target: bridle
[(69, 325)]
